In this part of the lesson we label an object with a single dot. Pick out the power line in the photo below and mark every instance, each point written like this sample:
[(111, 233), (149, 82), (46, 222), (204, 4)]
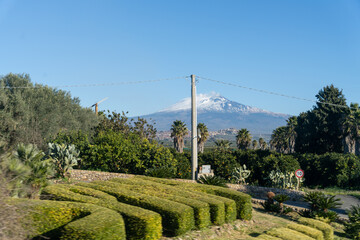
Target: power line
[(100, 84), (274, 93)]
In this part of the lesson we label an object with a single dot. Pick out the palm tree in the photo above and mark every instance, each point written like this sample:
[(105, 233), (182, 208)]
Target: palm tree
[(351, 128), (291, 125), (28, 168), (243, 139), (203, 135), (279, 140), (254, 144), (178, 132), (262, 144), (222, 145)]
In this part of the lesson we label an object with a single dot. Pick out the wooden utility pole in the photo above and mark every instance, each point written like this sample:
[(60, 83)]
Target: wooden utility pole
[(194, 157), (96, 105)]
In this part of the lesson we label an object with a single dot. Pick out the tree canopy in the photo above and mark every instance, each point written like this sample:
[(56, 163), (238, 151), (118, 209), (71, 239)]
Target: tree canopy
[(34, 113)]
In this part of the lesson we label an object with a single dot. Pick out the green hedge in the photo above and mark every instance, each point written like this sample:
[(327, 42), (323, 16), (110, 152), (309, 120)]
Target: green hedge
[(176, 218), (69, 220), (242, 200), (216, 203), (139, 223), (288, 234), (326, 229), (311, 232), (265, 236), (212, 200), (201, 209)]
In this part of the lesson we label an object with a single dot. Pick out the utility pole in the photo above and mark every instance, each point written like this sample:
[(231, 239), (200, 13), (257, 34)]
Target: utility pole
[(194, 159), (96, 105)]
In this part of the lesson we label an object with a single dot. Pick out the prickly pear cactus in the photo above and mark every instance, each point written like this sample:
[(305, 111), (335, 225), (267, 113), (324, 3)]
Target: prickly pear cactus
[(64, 156), (240, 174)]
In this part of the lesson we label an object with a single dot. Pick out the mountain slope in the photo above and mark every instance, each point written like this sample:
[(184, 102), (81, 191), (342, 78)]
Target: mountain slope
[(217, 112)]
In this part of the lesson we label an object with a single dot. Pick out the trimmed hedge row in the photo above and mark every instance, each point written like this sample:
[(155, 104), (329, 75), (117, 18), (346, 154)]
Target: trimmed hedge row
[(288, 234), (326, 229), (216, 203), (265, 236), (242, 200), (201, 209), (311, 232), (176, 218), (69, 220), (139, 223)]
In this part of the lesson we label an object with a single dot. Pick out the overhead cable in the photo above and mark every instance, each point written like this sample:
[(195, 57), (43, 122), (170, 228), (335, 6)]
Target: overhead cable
[(101, 84), (274, 93)]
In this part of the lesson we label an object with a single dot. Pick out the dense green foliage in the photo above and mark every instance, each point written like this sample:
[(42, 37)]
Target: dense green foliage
[(331, 169), (33, 113), (352, 228), (69, 220)]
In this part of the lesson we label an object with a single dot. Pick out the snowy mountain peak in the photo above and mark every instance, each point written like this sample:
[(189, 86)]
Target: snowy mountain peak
[(212, 102)]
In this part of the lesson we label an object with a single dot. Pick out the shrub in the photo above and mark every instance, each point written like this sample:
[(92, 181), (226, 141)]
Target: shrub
[(320, 205), (216, 203), (176, 218), (311, 232), (212, 180), (288, 234), (265, 236), (352, 228), (201, 209), (161, 172), (69, 220), (326, 229), (243, 201), (28, 170), (139, 223)]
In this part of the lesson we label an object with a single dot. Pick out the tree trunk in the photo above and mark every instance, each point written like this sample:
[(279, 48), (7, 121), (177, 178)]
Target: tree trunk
[(349, 144)]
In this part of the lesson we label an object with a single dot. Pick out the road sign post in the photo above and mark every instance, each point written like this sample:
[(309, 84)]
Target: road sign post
[(299, 174)]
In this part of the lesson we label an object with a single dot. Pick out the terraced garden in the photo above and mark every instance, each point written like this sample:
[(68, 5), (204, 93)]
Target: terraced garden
[(147, 208)]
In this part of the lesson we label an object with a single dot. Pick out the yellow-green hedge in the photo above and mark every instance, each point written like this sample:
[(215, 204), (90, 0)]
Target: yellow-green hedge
[(326, 229), (219, 214), (243, 201), (176, 218), (265, 236), (288, 234), (201, 209), (139, 223), (70, 220), (311, 232), (216, 210)]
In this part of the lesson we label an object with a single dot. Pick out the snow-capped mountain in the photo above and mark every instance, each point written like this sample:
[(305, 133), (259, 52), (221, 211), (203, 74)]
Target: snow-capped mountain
[(212, 102), (217, 112)]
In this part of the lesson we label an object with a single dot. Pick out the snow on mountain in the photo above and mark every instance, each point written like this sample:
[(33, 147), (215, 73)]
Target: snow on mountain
[(217, 112), (212, 102)]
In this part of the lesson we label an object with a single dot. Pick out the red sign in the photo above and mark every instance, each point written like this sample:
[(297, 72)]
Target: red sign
[(299, 173)]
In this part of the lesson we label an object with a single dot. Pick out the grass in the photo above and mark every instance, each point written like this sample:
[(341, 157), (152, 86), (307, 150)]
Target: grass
[(261, 222)]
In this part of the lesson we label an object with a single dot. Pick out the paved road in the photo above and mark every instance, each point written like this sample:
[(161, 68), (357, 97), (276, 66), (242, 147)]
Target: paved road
[(346, 200)]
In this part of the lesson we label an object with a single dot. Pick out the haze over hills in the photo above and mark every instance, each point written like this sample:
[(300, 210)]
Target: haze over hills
[(218, 112)]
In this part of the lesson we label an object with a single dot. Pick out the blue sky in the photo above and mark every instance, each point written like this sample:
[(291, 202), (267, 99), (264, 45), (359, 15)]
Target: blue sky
[(290, 47)]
